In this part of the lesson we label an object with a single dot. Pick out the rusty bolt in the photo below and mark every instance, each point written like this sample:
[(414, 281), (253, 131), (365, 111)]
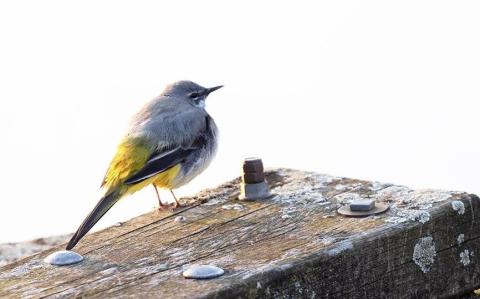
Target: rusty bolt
[(253, 184), (253, 171), (254, 165)]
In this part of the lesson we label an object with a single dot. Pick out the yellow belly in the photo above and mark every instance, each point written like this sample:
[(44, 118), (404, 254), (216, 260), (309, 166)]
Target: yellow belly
[(161, 180)]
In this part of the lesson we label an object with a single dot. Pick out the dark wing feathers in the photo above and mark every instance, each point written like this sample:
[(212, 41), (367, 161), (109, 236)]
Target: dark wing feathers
[(162, 160), (159, 162)]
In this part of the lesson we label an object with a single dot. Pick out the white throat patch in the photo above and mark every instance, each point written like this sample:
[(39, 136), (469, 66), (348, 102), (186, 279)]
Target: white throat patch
[(200, 104)]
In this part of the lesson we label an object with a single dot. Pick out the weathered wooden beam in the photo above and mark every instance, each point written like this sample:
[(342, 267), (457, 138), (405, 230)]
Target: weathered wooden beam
[(292, 245)]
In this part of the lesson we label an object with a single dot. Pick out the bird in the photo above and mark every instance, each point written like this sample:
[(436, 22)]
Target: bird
[(170, 141)]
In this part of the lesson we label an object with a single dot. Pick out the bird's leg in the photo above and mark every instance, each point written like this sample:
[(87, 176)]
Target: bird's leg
[(177, 203), (162, 206)]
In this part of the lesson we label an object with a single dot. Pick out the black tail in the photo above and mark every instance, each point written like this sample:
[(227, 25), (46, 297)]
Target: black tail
[(100, 209)]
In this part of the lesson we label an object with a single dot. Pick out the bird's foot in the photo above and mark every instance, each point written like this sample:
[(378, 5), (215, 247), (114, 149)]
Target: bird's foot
[(166, 207), (172, 207), (177, 205)]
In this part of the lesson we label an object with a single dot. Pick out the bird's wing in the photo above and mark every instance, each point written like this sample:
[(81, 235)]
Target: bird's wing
[(163, 159), (158, 162), (137, 161)]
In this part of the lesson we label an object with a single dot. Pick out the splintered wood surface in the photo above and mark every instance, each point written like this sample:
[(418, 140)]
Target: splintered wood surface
[(292, 245)]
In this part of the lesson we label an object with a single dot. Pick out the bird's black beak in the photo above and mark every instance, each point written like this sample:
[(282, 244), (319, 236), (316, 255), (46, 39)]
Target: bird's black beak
[(209, 90)]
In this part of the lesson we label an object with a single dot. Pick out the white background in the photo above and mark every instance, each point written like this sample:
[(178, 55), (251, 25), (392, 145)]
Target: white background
[(381, 90)]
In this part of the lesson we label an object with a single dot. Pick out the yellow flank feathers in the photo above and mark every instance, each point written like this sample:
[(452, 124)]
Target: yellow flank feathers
[(131, 156), (165, 179), (161, 180)]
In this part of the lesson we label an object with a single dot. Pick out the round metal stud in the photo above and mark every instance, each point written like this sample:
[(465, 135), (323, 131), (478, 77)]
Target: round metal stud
[(203, 272), (63, 258)]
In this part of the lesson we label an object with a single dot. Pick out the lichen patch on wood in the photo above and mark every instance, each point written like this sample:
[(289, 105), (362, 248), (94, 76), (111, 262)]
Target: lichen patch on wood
[(460, 239), (465, 257), (458, 206), (424, 254)]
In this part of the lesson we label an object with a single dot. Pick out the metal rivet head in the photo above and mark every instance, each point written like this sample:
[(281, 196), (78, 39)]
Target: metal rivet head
[(63, 257), (203, 272), (180, 219)]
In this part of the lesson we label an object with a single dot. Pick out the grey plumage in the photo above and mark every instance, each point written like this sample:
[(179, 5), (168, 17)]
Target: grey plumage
[(176, 123), (171, 118)]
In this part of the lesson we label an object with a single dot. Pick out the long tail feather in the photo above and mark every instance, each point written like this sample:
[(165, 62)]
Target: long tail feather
[(100, 209)]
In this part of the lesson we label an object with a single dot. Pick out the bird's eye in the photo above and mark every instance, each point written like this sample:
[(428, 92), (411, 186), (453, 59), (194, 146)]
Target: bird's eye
[(194, 95)]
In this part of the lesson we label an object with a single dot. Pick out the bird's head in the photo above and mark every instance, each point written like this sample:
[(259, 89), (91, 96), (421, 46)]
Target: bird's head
[(189, 91)]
